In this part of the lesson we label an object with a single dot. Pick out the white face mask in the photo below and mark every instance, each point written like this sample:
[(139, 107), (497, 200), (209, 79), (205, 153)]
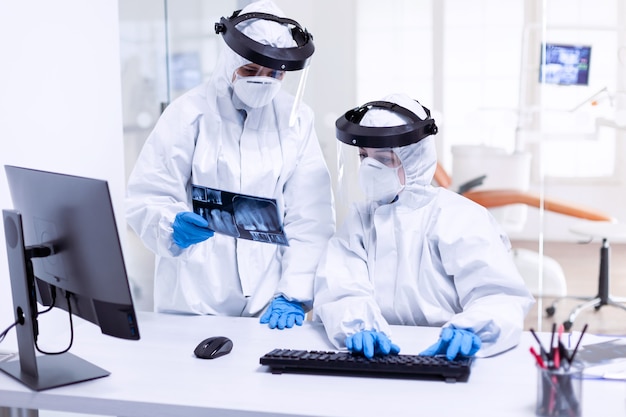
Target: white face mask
[(256, 91), (379, 182)]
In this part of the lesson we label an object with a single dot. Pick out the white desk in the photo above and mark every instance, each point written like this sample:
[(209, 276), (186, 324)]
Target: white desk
[(159, 376)]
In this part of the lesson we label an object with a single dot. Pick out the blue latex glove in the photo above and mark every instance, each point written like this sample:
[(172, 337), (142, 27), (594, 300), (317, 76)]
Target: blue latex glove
[(282, 313), (454, 342), (190, 228), (370, 343)]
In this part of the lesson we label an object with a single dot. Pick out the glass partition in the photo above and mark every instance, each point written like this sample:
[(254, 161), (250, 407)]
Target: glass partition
[(570, 122), (167, 47)]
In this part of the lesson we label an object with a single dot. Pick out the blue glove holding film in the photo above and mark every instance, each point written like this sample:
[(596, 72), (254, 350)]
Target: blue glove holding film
[(370, 343), (283, 313), (190, 228), (455, 342)]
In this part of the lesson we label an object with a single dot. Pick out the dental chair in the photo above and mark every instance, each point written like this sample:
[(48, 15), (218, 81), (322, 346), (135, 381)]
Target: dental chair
[(474, 186)]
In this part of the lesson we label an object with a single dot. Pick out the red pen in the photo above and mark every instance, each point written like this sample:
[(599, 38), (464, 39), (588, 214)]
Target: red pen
[(557, 355), (538, 358)]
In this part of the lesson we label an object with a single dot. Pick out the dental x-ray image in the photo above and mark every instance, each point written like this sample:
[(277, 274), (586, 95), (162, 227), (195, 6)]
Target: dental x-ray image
[(238, 215)]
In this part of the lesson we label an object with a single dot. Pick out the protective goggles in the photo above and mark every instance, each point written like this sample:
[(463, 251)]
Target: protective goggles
[(282, 59), (255, 70), (349, 131)]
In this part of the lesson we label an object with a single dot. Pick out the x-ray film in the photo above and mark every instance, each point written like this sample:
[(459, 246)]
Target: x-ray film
[(239, 215)]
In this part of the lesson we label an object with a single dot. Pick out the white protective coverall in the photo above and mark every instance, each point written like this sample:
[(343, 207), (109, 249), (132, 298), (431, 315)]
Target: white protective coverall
[(210, 138), (432, 258)]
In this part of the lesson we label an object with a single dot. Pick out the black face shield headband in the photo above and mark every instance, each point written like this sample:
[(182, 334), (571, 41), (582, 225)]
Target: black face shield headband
[(348, 129), (283, 59)]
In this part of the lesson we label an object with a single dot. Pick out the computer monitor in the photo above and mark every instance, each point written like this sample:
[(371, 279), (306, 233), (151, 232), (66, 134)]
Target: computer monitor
[(564, 64), (63, 251)]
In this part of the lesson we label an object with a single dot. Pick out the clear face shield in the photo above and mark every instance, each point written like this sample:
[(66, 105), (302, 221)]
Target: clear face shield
[(369, 166), (271, 68)]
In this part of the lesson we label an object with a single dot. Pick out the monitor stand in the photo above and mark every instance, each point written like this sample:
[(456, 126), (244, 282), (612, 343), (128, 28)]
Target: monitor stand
[(54, 371), (36, 372)]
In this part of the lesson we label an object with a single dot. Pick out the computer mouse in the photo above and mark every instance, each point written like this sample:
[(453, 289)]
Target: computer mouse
[(213, 347)]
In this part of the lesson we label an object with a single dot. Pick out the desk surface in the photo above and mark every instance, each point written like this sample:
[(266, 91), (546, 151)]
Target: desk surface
[(159, 376)]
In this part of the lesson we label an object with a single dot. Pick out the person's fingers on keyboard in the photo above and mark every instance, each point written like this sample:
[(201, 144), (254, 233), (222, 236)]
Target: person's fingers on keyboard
[(357, 342), (433, 349), (368, 344), (454, 346), (466, 345), (384, 346), (348, 343)]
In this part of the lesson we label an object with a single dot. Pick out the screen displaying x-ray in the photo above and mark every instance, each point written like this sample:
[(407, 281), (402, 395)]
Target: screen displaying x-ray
[(565, 64), (239, 215)]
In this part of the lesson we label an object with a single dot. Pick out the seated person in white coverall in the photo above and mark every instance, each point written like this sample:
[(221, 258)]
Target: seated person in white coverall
[(235, 133), (414, 254)]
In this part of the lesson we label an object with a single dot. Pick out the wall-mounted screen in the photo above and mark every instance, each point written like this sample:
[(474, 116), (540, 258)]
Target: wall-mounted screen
[(565, 64)]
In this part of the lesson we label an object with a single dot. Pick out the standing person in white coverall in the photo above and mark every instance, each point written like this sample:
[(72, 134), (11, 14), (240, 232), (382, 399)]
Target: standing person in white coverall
[(414, 254), (241, 133)]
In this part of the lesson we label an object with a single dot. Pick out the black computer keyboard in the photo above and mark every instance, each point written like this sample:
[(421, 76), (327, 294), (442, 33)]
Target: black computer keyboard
[(345, 363)]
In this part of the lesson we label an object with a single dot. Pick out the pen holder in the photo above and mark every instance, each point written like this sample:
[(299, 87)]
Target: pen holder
[(559, 391)]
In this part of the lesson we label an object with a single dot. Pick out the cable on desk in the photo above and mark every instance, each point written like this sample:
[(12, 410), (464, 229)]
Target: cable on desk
[(6, 331)]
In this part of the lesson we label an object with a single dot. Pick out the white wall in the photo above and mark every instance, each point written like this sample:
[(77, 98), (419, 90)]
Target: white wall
[(60, 99)]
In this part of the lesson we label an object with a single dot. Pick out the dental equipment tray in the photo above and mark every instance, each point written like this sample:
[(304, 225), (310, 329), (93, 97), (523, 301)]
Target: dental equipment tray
[(345, 363)]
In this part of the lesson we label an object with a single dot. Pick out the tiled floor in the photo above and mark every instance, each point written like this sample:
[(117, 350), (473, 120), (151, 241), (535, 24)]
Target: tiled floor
[(581, 265)]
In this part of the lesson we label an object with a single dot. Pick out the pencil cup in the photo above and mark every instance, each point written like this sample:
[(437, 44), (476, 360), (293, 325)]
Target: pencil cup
[(559, 392)]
